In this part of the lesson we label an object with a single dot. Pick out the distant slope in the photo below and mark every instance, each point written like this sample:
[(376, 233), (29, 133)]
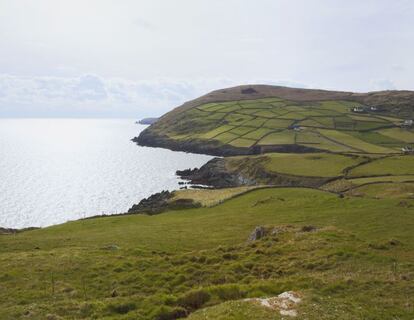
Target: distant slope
[(260, 118)]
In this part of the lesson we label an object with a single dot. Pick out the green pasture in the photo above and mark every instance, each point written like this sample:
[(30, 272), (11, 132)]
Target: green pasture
[(395, 165), (318, 165), (354, 262), (270, 121)]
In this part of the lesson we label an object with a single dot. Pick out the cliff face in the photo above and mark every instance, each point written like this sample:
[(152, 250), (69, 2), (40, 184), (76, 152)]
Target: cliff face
[(249, 172), (152, 138), (395, 103)]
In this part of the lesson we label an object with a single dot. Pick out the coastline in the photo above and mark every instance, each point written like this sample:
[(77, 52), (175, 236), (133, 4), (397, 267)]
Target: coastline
[(148, 138)]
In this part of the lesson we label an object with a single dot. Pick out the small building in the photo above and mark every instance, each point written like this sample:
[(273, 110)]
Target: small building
[(358, 109), (407, 150), (295, 127), (407, 123), (375, 109)]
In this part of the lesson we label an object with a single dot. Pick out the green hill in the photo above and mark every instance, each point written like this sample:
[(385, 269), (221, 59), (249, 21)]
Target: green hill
[(348, 258), (259, 119), (321, 209)]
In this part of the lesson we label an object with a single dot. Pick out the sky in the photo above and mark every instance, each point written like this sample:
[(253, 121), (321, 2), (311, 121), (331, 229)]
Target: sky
[(140, 58)]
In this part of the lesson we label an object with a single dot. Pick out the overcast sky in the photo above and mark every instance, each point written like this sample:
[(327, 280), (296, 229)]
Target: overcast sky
[(120, 58)]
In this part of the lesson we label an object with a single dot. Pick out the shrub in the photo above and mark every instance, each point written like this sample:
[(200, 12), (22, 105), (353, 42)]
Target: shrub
[(179, 279), (218, 279), (229, 256), (168, 313), (228, 292), (86, 309), (168, 299), (122, 308), (194, 299)]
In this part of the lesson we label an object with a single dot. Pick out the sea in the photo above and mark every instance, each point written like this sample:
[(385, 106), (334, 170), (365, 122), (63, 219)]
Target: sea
[(56, 170)]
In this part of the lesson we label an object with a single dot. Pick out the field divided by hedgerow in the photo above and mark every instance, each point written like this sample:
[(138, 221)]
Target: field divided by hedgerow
[(328, 125)]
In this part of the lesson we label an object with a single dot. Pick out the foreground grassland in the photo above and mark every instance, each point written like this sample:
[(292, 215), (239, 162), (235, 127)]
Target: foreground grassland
[(260, 123), (356, 264)]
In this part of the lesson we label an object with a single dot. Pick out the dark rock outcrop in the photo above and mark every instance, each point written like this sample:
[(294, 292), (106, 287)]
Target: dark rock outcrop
[(250, 172), (213, 173), (160, 202), (153, 204), (308, 228), (149, 138)]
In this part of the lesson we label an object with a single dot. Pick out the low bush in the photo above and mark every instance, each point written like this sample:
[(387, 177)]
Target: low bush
[(228, 292), (169, 313), (122, 308), (194, 299)]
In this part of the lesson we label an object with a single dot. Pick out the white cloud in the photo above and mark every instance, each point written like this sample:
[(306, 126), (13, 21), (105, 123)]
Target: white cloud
[(337, 44), (92, 95), (133, 58)]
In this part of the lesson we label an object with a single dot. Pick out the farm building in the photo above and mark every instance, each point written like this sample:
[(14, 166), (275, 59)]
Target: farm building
[(358, 109), (296, 128), (407, 123), (375, 109), (407, 150)]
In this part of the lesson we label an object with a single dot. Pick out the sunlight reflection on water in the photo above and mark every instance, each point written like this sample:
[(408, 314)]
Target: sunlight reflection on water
[(54, 170)]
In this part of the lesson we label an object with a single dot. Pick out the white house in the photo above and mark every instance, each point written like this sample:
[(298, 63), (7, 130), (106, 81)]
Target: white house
[(407, 150), (358, 109), (408, 123)]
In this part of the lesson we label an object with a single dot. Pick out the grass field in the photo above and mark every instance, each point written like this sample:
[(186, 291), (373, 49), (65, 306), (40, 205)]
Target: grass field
[(396, 165), (329, 125), (360, 181), (210, 197), (385, 190), (356, 264), (319, 165)]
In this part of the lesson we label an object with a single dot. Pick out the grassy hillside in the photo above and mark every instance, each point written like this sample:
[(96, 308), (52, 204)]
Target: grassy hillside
[(338, 173), (354, 263), (306, 165), (344, 244), (272, 124)]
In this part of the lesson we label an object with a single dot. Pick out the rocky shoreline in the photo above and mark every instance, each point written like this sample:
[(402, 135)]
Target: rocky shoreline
[(149, 138), (216, 174), (160, 202)]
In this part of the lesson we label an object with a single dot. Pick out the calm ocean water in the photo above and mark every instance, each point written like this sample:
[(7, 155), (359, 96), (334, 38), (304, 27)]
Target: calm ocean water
[(55, 170)]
